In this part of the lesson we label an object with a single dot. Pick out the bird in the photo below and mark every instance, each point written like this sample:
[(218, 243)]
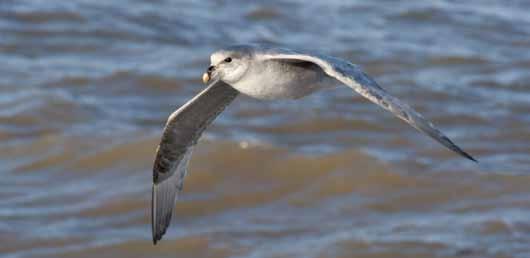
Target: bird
[(268, 73)]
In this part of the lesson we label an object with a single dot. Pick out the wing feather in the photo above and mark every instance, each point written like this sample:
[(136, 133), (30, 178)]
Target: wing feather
[(182, 130), (353, 76)]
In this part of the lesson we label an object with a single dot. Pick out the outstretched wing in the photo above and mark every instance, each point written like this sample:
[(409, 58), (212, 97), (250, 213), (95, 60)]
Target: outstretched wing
[(354, 77), (183, 129)]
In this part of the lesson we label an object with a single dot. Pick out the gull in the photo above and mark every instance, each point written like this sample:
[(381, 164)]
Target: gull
[(262, 72)]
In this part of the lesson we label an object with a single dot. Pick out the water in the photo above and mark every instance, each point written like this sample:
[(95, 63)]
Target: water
[(86, 88)]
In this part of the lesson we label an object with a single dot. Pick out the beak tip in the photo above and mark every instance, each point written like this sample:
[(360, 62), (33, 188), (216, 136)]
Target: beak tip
[(205, 78)]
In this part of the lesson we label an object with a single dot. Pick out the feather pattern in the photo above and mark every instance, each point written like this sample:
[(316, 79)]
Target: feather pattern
[(353, 76), (183, 129)]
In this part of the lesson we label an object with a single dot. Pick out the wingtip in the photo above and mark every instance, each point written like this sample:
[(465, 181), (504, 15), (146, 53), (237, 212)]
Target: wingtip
[(470, 157), (156, 238), (458, 150), (159, 224), (155, 233), (444, 140)]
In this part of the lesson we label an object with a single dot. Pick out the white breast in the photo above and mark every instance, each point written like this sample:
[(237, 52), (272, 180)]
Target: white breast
[(281, 80)]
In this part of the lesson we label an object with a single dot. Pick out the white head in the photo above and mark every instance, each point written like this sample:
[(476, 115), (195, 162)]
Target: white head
[(228, 65)]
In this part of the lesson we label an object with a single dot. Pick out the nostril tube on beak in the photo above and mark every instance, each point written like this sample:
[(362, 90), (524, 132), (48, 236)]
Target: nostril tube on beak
[(206, 76)]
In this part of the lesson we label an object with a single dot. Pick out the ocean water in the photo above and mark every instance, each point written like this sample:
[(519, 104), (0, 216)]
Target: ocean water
[(86, 87)]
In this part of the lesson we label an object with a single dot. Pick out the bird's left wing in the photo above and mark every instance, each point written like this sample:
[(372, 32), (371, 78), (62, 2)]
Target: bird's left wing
[(354, 77), (183, 129)]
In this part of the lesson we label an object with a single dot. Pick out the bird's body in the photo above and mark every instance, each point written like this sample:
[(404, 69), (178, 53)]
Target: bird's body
[(265, 73), (296, 80)]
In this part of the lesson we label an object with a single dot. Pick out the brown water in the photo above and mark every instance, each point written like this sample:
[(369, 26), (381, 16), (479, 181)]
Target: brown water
[(86, 88)]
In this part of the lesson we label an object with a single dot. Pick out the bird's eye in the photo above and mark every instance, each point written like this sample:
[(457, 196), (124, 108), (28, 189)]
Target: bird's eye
[(228, 59)]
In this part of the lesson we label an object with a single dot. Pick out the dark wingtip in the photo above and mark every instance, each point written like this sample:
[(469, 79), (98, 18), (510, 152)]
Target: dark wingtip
[(156, 238), (466, 155), (444, 140), (458, 150), (159, 224), (155, 234)]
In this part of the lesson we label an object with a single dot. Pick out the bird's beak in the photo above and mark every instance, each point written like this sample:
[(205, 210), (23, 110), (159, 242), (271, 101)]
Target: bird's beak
[(207, 76)]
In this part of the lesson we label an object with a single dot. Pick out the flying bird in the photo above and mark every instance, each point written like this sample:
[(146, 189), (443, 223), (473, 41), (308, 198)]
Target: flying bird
[(262, 72)]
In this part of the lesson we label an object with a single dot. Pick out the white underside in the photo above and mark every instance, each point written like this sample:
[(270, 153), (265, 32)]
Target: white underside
[(276, 81)]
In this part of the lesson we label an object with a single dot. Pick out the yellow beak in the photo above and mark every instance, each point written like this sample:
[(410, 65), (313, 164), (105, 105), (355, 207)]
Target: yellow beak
[(205, 78)]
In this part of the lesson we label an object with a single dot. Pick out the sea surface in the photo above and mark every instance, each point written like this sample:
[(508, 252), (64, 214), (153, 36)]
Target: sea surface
[(86, 87)]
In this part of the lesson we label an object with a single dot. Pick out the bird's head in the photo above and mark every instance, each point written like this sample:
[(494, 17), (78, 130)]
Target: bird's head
[(227, 65)]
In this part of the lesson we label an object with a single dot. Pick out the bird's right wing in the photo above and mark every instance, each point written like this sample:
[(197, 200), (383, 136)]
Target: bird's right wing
[(183, 129)]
